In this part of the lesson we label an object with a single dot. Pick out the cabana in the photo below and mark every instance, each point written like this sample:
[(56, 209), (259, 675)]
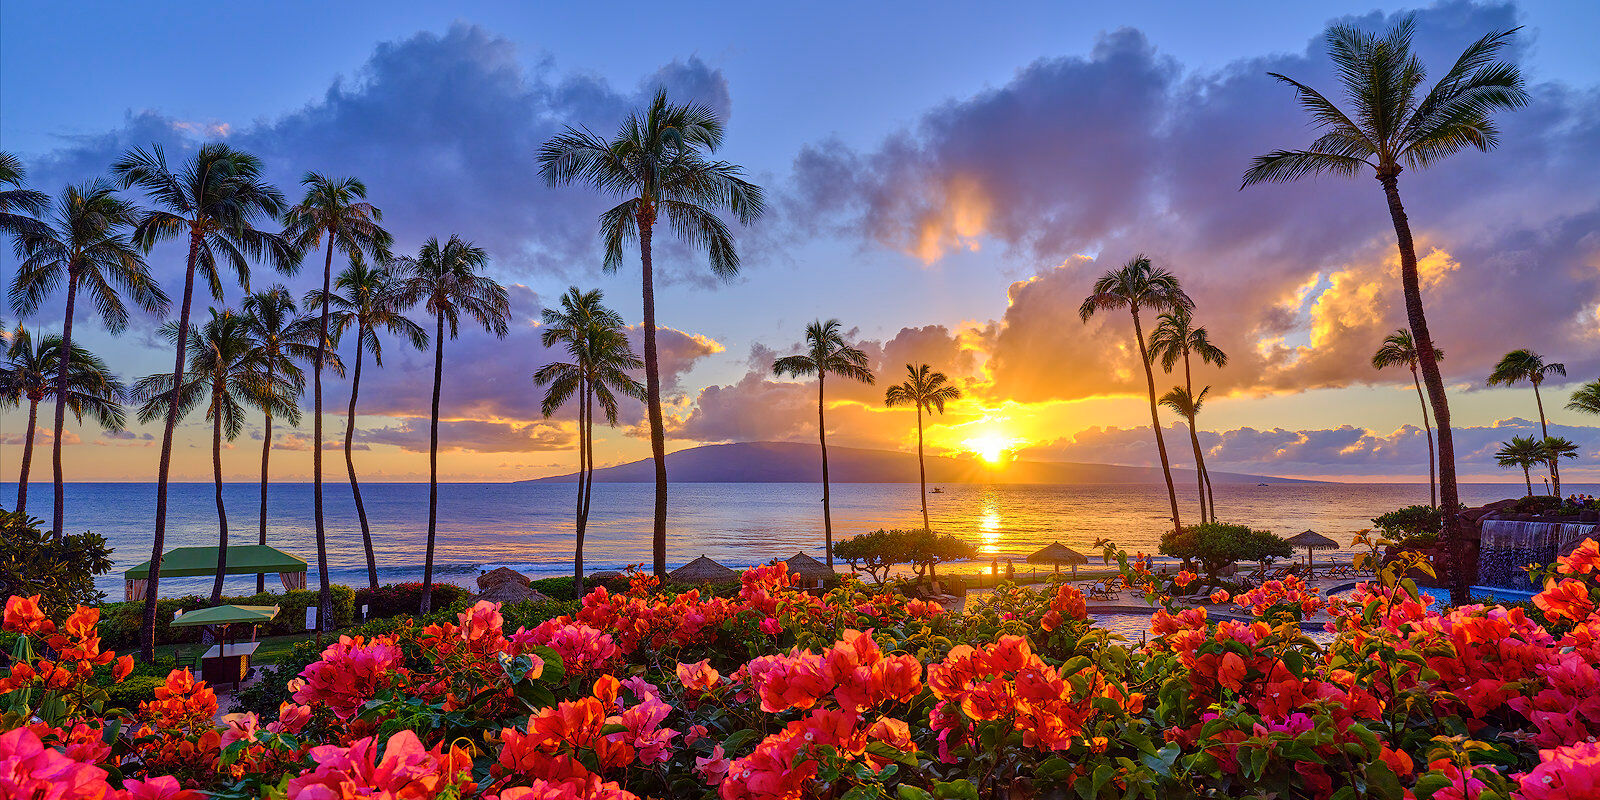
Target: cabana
[(813, 572), (243, 559), (1311, 540), (702, 570), (227, 662), (1057, 553)]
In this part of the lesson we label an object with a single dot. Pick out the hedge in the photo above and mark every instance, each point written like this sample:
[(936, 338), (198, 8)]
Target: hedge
[(405, 598), (120, 622)]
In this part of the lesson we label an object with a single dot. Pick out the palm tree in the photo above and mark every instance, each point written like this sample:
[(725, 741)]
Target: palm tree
[(445, 278), (1141, 285), (371, 303), (286, 338), (335, 209), (18, 205), (216, 199), (656, 164), (1398, 348), (82, 245), (1392, 129), (1188, 406), (1525, 365), (228, 370), (1586, 399), (826, 351), (33, 373), (601, 356), (1174, 338), (1524, 452), (1555, 449), (928, 391)]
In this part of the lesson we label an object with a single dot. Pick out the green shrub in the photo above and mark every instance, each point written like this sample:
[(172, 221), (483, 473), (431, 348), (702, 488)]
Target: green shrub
[(1217, 544), (120, 623), (132, 691), (405, 598), (559, 588), (1410, 521), (32, 562)]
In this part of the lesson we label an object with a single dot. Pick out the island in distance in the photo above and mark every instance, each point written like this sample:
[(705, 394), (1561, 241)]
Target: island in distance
[(797, 462)]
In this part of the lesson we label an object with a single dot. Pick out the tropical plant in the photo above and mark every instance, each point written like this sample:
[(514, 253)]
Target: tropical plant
[(875, 553), (1398, 349), (335, 210), (216, 199), (444, 277), (1189, 406), (1586, 398), (1392, 129), (227, 372), (32, 373), (827, 351), (1217, 544), (371, 302), (286, 339), (1175, 338), (19, 205), (596, 338), (1555, 449), (1524, 452), (927, 391), (1525, 365), (657, 165), (1141, 285), (82, 245), (59, 570)]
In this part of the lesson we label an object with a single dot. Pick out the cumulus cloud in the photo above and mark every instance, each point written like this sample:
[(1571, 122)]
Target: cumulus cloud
[(475, 436)]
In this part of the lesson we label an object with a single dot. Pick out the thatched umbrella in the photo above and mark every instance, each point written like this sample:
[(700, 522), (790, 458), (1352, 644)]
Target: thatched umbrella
[(1311, 541), (702, 570), (1057, 553), (808, 568)]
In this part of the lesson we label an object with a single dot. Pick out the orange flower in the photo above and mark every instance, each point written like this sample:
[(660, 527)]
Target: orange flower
[(24, 616), (1569, 599), (1184, 578), (698, 677), (1582, 560)]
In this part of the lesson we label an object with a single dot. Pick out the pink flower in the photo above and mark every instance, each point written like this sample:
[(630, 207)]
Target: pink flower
[(1564, 773), (407, 770), (771, 627), (645, 733), (349, 674), (163, 788), (694, 734), (713, 769), (30, 770)]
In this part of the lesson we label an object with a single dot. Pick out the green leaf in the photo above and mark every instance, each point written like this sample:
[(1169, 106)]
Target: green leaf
[(737, 740), (888, 752), (955, 790), (909, 792)]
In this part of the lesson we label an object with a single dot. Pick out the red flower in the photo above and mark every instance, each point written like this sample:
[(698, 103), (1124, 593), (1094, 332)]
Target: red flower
[(1569, 599), (24, 616)]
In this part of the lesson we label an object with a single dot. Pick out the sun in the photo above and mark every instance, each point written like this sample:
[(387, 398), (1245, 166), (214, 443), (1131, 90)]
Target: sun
[(991, 448)]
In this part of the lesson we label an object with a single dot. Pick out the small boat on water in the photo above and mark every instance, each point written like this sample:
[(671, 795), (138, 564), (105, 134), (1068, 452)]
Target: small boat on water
[(1263, 484), (936, 490)]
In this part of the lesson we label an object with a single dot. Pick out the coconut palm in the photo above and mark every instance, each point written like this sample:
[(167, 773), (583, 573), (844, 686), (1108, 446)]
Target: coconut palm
[(82, 245), (31, 372), (826, 351), (371, 302), (1188, 406), (216, 199), (1525, 365), (1586, 399), (1397, 349), (287, 339), (444, 277), (334, 210), (928, 391), (227, 371), (656, 164), (594, 336), (19, 205), (1391, 129), (1524, 452), (1136, 286), (1555, 449), (1175, 338)]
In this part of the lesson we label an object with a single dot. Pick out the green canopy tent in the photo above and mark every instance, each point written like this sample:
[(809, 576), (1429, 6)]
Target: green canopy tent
[(226, 661), (244, 559)]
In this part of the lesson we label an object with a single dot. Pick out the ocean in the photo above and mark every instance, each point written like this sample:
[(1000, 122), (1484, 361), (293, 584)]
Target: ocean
[(528, 526)]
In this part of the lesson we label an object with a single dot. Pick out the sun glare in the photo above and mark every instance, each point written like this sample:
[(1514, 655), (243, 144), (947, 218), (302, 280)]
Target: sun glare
[(991, 448)]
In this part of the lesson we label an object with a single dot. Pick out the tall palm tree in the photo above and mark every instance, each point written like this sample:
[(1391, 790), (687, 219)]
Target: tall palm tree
[(1555, 449), (227, 371), (32, 373), (1175, 338), (1139, 285), (1586, 398), (334, 209), (1524, 452), (1391, 129), (371, 302), (216, 199), (1525, 365), (928, 391), (287, 339), (19, 205), (1188, 406), (1398, 348), (444, 277), (657, 165), (594, 336), (82, 245), (826, 351)]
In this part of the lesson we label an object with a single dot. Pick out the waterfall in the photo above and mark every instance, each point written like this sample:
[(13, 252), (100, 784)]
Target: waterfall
[(1508, 546)]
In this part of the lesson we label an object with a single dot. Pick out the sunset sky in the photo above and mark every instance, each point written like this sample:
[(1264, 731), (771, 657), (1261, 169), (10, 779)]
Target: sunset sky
[(946, 180)]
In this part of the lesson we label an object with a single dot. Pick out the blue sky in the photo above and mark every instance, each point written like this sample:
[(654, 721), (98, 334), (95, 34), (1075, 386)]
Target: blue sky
[(940, 176)]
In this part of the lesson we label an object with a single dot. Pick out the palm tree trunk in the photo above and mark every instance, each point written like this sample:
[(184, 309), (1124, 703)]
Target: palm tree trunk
[(266, 453), (350, 461), (147, 647), (1199, 471), (222, 513), (27, 456), (1448, 498), (822, 438), (652, 387), (1211, 497), (1433, 479), (583, 477), (1527, 477), (588, 487), (1155, 419), (63, 368), (325, 591), (1555, 476), (922, 472), (1544, 427), (433, 468)]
